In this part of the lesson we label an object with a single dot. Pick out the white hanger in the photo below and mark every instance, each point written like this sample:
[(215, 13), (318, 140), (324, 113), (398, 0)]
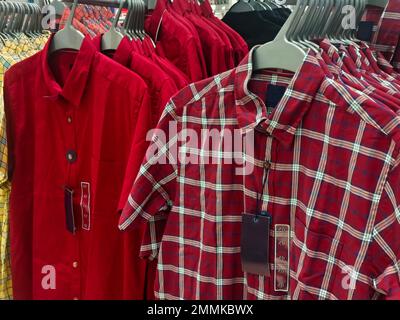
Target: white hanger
[(112, 38), (378, 3), (68, 37), (280, 53)]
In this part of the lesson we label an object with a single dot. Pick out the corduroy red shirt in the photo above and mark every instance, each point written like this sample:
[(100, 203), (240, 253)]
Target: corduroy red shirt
[(324, 167), (71, 118)]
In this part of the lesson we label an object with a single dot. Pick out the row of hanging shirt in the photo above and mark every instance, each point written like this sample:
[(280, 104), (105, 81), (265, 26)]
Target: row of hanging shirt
[(316, 216), (256, 21), (188, 34), (21, 36), (86, 117), (90, 20), (71, 196), (381, 28)]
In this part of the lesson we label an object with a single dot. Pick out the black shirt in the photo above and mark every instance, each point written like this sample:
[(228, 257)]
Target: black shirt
[(257, 27)]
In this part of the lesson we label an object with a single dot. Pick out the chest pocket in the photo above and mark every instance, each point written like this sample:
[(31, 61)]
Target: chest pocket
[(315, 268)]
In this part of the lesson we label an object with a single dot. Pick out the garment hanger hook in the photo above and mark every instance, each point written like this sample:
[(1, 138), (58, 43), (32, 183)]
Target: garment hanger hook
[(72, 13)]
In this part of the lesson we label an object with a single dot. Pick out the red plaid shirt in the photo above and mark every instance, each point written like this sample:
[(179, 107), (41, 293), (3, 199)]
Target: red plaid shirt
[(386, 36), (344, 69), (330, 157)]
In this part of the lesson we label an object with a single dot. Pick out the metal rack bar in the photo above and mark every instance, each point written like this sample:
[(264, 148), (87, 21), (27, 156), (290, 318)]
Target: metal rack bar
[(101, 3)]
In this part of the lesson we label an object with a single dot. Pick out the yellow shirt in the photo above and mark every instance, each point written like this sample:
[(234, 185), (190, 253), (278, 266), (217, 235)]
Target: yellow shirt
[(13, 50)]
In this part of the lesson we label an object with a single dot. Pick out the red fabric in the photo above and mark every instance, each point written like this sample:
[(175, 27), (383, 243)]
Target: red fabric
[(213, 48), (161, 88), (327, 151), (180, 79), (239, 45), (137, 46), (104, 100), (227, 46), (344, 69), (178, 41), (387, 36)]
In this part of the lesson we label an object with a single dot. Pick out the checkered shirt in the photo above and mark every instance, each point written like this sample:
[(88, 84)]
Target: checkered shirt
[(12, 52), (386, 35), (330, 157)]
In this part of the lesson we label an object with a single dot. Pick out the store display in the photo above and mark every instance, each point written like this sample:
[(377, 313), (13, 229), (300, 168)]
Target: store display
[(151, 155)]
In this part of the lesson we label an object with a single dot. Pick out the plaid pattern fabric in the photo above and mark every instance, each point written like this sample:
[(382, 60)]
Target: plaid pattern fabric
[(90, 20), (386, 33), (13, 51), (387, 36), (373, 14), (330, 157), (344, 69), (366, 64)]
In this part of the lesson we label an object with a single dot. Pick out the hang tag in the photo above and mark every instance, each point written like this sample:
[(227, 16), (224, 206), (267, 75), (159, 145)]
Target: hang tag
[(365, 30), (274, 95), (69, 209), (281, 266), (255, 243), (85, 205)]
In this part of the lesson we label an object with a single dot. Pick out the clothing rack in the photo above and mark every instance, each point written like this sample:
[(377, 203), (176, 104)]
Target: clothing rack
[(101, 3), (150, 4)]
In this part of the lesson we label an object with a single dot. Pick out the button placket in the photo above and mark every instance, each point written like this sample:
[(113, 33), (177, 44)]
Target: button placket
[(71, 157)]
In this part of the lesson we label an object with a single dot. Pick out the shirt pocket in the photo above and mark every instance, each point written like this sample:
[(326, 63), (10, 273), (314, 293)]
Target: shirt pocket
[(316, 264)]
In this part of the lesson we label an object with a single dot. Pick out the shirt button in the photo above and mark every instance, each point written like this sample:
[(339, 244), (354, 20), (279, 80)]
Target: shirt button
[(75, 264), (267, 165), (69, 119), (71, 156)]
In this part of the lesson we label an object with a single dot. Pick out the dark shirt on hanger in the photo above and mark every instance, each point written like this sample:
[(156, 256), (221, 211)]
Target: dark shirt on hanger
[(256, 27)]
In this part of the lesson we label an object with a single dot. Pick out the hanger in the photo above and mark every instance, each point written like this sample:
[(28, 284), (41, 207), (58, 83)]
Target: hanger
[(69, 37), (141, 16), (298, 33), (322, 18), (378, 3), (280, 53), (112, 38), (3, 21), (128, 19), (242, 6)]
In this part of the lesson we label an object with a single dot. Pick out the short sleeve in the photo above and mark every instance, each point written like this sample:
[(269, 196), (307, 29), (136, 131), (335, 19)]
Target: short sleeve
[(386, 239), (153, 191)]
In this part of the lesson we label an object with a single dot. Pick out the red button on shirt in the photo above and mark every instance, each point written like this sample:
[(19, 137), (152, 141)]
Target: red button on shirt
[(104, 100)]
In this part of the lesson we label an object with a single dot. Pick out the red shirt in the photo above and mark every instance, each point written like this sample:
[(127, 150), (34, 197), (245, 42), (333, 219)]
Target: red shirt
[(178, 42), (161, 88), (387, 36), (239, 45), (228, 48), (214, 49), (70, 119), (180, 79), (325, 167)]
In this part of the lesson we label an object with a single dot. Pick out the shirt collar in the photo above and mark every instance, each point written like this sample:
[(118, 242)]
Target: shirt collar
[(122, 54), (359, 58), (75, 83), (297, 99)]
